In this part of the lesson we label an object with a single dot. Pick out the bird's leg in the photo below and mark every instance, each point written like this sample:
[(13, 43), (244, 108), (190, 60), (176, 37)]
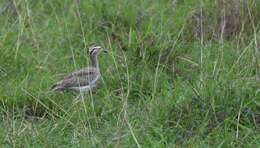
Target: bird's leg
[(74, 93), (79, 97), (93, 91)]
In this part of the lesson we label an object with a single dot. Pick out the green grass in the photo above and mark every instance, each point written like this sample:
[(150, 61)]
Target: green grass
[(163, 86)]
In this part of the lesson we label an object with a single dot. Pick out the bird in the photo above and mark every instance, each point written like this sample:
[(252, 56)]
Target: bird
[(85, 79)]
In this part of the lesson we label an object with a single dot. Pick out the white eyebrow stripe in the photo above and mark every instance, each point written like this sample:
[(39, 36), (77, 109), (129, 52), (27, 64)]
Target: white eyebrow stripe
[(95, 47)]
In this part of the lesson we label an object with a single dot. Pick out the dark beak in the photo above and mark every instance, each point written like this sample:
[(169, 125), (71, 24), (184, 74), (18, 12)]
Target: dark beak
[(105, 50)]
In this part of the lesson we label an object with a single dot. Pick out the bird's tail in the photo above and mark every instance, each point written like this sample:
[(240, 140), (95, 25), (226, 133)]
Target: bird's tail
[(57, 87)]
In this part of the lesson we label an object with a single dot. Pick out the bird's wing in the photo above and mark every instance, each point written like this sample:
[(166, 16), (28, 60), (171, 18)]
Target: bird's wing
[(79, 78)]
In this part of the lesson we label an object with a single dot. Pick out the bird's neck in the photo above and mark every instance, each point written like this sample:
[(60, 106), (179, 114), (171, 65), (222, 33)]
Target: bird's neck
[(94, 61)]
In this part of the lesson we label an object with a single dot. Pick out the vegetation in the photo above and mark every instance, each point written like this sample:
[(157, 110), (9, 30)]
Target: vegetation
[(178, 73)]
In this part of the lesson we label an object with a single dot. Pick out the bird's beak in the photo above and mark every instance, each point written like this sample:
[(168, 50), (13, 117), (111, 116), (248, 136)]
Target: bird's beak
[(105, 50)]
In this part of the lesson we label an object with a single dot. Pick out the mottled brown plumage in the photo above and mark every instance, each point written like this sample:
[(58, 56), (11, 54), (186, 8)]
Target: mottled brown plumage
[(84, 79)]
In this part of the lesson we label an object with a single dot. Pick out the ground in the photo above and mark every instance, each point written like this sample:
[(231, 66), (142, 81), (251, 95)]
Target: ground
[(178, 73)]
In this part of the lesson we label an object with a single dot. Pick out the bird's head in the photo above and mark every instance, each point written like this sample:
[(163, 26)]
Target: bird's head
[(95, 50)]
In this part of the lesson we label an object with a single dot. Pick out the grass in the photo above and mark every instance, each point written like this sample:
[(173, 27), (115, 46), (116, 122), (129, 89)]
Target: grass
[(174, 75)]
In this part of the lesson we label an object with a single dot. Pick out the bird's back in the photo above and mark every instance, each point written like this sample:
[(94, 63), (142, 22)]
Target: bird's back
[(84, 78)]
